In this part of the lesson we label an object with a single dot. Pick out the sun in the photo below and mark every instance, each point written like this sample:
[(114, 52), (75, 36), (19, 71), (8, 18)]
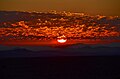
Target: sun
[(62, 39)]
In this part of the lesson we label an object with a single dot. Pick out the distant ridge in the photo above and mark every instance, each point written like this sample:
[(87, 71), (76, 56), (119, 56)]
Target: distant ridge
[(84, 51)]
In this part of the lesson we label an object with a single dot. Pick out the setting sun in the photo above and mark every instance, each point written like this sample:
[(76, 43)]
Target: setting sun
[(62, 40)]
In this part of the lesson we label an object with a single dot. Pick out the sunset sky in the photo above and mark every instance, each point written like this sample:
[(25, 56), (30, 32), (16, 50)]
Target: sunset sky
[(103, 7)]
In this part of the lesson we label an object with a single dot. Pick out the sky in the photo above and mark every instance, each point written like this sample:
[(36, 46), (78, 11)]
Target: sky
[(102, 7)]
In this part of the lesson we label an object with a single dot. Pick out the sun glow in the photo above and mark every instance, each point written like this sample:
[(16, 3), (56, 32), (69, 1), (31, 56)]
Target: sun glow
[(62, 39)]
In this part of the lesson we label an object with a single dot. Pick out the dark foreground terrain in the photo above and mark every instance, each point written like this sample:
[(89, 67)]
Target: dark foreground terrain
[(72, 62), (61, 67)]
